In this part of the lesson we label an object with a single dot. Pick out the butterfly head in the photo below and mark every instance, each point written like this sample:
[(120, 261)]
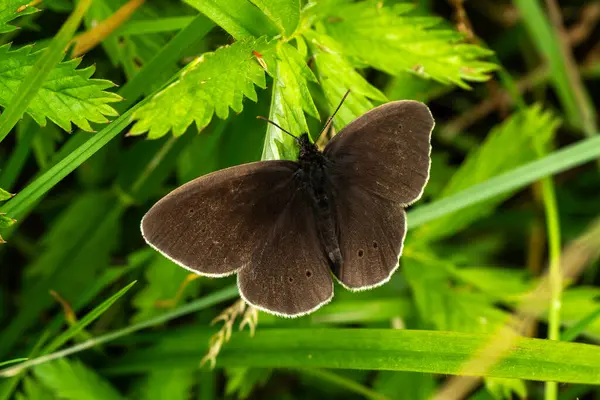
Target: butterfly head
[(309, 153)]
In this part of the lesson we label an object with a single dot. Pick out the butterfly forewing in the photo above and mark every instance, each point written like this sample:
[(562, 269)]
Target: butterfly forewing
[(213, 224), (385, 151)]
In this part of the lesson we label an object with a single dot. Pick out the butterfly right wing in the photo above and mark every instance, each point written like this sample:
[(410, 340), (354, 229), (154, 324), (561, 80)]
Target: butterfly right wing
[(213, 224)]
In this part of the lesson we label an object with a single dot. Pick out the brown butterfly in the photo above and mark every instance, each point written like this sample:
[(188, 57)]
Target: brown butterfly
[(286, 227)]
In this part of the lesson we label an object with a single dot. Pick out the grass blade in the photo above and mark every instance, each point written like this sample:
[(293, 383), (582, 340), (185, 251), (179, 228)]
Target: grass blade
[(228, 293), (85, 321), (558, 161)]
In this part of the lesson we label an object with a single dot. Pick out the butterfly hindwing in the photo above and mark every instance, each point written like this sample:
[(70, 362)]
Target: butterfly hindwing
[(289, 274), (371, 233)]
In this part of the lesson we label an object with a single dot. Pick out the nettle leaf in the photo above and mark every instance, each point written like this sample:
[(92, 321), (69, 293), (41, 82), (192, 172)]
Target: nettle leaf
[(205, 89), (293, 76), (72, 380), (163, 280), (285, 14), (290, 99), (392, 41), (11, 9), (336, 76), (68, 95), (517, 137)]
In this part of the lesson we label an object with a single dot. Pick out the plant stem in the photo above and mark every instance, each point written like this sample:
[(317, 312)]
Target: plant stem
[(555, 275)]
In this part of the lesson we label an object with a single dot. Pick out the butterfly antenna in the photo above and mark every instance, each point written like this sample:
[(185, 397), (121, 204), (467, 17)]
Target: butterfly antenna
[(335, 112), (274, 123)]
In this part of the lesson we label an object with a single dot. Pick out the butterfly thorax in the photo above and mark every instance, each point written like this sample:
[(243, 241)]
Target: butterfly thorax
[(314, 180)]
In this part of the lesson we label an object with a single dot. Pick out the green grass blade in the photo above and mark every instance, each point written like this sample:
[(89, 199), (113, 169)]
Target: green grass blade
[(225, 294), (576, 329), (561, 160), (38, 188), (16, 360), (51, 56), (193, 33), (437, 352), (157, 25), (547, 42), (410, 350), (342, 381), (85, 321)]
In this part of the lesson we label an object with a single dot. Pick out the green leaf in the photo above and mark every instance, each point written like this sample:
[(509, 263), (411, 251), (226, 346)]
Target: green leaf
[(11, 9), (242, 381), (499, 283), (389, 349), (86, 320), (293, 76), (33, 390), (203, 89), (72, 380), (5, 221), (290, 99), (577, 304), (172, 384), (336, 76), (284, 13), (38, 74), (501, 388), (164, 279), (241, 19), (388, 40), (405, 385), (449, 308), (4, 195), (517, 137), (67, 95)]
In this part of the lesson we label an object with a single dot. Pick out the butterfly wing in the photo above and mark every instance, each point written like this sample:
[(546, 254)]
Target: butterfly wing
[(386, 151), (250, 218), (289, 275), (213, 224), (379, 164)]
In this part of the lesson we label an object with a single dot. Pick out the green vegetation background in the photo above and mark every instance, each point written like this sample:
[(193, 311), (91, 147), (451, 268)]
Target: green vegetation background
[(512, 203)]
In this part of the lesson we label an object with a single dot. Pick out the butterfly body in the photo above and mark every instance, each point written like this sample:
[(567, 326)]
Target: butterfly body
[(314, 180), (287, 228)]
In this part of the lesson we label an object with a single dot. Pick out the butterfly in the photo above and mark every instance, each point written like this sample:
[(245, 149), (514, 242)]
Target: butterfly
[(288, 228)]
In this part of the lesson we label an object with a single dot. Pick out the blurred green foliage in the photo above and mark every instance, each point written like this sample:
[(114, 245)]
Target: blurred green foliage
[(186, 80)]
